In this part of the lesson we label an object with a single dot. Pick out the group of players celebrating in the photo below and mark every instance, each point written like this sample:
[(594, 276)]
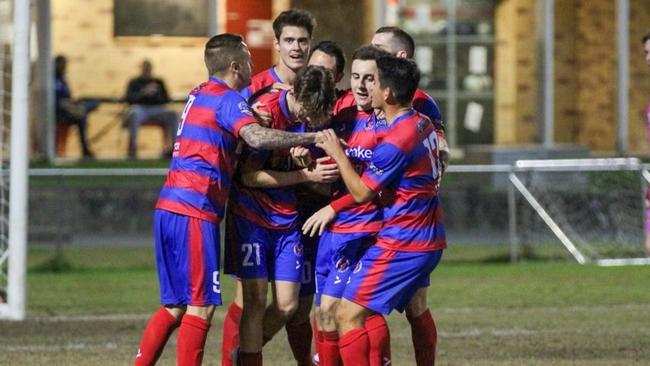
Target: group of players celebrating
[(332, 199)]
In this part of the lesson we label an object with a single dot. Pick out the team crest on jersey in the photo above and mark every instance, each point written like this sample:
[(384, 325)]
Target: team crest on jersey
[(357, 268), (297, 249), (342, 265), (244, 108), (370, 124)]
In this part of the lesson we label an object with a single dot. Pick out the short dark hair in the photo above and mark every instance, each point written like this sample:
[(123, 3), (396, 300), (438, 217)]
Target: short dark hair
[(401, 75), (369, 52), (404, 39), (314, 89), (646, 38), (221, 50), (294, 17), (332, 49)]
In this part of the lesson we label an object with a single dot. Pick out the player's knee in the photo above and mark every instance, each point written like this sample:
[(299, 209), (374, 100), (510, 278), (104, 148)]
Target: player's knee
[(344, 314), (287, 309), (328, 309)]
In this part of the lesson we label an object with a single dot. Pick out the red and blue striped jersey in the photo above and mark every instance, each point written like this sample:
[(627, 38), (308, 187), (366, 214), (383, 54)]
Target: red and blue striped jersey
[(260, 81), (273, 208), (423, 103), (357, 128), (406, 166), (202, 166)]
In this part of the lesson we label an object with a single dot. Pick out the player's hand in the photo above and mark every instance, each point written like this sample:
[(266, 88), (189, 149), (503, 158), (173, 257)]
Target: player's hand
[(325, 171), (332, 145), (318, 221), (263, 115), (300, 156)]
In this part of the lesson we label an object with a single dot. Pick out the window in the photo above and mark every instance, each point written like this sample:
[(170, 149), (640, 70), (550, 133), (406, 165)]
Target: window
[(174, 18)]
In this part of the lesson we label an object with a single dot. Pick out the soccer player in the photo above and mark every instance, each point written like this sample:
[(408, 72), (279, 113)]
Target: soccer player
[(410, 242), (423, 328), (191, 202), (299, 329), (329, 55), (354, 226), (399, 43), (293, 31), (265, 214)]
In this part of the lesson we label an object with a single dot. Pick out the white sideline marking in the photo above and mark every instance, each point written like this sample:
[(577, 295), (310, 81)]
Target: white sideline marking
[(104, 317), (59, 348), (464, 310), (494, 332), (434, 310)]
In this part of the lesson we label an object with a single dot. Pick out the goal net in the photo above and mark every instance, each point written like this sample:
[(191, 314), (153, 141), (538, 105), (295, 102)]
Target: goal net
[(594, 207)]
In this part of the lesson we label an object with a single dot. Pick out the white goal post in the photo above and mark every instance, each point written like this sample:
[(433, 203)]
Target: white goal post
[(550, 183), (16, 251)]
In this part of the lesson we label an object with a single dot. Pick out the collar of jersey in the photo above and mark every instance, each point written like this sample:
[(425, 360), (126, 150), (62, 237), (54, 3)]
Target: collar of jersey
[(404, 116), (275, 75), (284, 107), (218, 81)]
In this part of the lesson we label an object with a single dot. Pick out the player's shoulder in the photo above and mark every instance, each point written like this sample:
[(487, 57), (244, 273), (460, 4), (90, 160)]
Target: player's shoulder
[(344, 100), (263, 78), (421, 95), (409, 131)]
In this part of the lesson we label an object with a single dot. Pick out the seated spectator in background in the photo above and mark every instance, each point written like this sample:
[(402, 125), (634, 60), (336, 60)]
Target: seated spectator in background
[(147, 97), (68, 111)]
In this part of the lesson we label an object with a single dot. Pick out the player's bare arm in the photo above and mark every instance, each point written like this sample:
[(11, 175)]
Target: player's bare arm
[(332, 146), (321, 173), (259, 137)]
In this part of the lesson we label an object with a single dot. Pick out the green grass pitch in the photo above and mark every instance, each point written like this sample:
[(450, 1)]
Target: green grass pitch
[(488, 312)]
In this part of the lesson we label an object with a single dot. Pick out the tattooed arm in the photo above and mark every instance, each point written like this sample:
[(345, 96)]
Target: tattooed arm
[(259, 137)]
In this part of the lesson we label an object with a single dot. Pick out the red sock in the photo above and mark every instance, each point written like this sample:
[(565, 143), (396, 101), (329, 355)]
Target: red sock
[(354, 347), (379, 340), (250, 359), (329, 352), (156, 334), (425, 339), (299, 336), (230, 335), (191, 340)]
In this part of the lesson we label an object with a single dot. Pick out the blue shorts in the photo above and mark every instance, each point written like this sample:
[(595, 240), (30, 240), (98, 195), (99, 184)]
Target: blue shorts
[(268, 253), (337, 254), (385, 279), (310, 246), (187, 258)]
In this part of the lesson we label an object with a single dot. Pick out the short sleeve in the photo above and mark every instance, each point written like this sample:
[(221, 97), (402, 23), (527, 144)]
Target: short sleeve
[(425, 105), (235, 113), (246, 92), (388, 164)]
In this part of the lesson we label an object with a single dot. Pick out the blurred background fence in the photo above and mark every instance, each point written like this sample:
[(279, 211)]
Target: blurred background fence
[(599, 207)]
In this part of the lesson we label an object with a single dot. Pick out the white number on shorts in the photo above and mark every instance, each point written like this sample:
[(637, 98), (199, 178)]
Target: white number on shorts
[(248, 253), (306, 272), (216, 286), (186, 110)]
